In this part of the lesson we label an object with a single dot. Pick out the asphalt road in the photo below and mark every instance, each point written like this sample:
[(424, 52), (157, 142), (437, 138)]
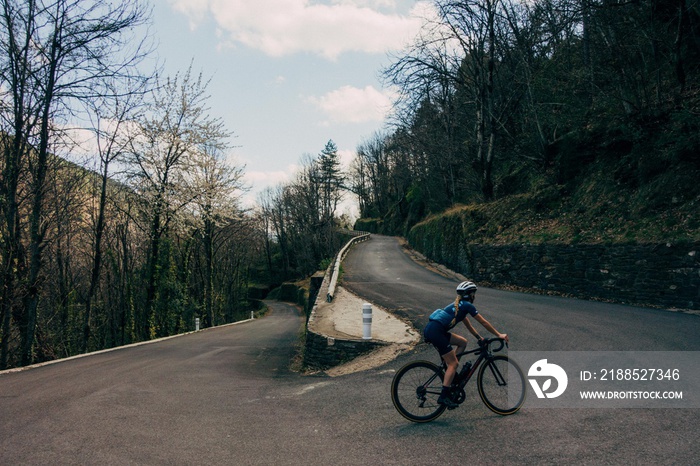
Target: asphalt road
[(227, 396), (378, 271)]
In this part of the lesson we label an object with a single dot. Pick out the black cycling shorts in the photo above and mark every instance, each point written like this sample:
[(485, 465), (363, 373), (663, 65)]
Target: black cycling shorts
[(436, 334)]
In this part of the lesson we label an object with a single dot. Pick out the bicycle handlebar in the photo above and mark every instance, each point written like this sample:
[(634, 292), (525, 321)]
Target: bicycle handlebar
[(487, 341)]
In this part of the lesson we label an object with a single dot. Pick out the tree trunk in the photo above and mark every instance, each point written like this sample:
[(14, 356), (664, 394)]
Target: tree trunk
[(209, 271), (152, 278), (14, 155), (97, 258), (38, 228), (11, 252)]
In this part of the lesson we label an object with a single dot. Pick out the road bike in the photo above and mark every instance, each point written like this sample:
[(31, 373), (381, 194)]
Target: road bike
[(501, 383)]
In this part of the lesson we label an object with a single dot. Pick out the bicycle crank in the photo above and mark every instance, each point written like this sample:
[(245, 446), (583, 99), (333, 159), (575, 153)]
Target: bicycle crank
[(458, 395)]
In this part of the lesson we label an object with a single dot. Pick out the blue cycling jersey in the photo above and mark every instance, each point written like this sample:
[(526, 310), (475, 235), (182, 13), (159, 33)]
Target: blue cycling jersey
[(447, 316)]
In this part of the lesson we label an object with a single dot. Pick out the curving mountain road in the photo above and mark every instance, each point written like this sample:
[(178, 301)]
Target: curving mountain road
[(379, 271), (227, 396)]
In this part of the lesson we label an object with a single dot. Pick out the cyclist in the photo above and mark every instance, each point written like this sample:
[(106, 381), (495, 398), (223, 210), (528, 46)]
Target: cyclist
[(438, 333)]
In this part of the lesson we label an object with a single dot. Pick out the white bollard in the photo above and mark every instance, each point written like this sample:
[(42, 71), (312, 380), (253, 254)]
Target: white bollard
[(251, 315), (196, 324), (366, 321)]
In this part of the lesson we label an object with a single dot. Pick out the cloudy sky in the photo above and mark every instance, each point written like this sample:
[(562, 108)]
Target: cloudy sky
[(288, 75)]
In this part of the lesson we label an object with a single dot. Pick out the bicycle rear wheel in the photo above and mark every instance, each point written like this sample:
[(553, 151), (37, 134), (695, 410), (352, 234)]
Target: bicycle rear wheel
[(501, 385), (415, 390)]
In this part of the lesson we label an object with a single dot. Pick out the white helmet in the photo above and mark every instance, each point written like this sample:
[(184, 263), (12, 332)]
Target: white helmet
[(466, 288)]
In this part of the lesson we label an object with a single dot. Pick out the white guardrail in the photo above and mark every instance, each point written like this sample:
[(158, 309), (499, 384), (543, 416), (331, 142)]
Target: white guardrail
[(339, 258)]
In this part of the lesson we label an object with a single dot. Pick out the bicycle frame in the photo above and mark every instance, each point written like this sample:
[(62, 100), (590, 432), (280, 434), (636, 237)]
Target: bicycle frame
[(484, 352), (462, 379)]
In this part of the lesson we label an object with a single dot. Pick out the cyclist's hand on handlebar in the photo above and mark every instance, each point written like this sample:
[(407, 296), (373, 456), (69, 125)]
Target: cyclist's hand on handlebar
[(505, 337)]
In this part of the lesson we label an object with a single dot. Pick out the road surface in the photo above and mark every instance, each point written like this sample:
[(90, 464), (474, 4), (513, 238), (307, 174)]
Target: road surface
[(227, 396)]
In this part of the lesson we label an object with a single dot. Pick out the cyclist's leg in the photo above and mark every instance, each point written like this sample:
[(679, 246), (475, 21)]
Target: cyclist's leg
[(459, 341), (436, 334), (451, 361)]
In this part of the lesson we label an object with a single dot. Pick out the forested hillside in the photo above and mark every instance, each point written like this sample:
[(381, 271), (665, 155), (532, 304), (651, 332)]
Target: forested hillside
[(546, 121), (151, 234)]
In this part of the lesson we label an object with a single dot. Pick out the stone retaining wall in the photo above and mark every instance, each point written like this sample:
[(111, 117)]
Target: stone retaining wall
[(666, 275), (323, 352)]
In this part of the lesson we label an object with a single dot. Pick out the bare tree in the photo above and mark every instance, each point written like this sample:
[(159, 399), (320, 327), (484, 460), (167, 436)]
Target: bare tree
[(452, 70), (19, 112), (373, 182), (55, 55), (110, 117), (163, 150), (216, 208), (271, 226)]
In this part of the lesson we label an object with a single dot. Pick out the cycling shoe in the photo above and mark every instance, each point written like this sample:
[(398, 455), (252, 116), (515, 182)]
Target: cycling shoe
[(445, 401)]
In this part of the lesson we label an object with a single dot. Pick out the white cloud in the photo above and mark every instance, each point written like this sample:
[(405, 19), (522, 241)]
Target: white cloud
[(266, 179), (346, 157), (375, 4), (283, 27), (260, 180), (354, 105)]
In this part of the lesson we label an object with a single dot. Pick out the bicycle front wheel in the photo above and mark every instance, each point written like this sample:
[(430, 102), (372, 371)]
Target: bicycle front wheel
[(501, 385), (415, 390)]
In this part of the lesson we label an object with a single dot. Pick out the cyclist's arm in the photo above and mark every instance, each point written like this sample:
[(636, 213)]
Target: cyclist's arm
[(471, 328), (487, 325)]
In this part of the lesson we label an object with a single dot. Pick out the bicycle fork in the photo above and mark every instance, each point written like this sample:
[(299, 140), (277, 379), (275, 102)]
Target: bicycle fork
[(500, 379)]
